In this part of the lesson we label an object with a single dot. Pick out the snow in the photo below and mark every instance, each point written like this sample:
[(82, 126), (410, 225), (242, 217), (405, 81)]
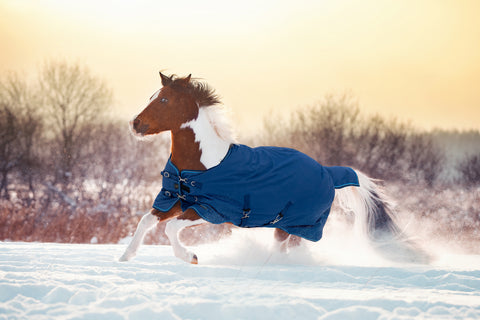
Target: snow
[(241, 277)]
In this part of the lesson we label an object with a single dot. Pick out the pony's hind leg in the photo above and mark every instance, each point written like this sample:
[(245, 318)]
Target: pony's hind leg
[(286, 240), (173, 228), (147, 222)]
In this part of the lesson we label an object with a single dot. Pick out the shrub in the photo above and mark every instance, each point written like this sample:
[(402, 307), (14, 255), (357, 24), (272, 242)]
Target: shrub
[(469, 169)]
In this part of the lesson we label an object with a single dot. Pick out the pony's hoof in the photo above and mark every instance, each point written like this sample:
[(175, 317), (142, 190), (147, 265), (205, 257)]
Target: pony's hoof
[(194, 259)]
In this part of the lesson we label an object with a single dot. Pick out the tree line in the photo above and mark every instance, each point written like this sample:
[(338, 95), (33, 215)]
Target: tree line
[(66, 162), (70, 170)]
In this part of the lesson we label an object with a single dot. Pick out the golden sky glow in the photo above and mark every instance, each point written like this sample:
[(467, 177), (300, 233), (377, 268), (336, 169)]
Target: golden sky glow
[(417, 60)]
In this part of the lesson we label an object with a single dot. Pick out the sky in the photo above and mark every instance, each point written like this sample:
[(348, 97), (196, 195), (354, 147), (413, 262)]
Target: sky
[(418, 61)]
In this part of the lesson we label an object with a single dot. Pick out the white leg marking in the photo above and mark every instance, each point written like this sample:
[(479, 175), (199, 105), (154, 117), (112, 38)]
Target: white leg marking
[(147, 222), (172, 230), (286, 245)]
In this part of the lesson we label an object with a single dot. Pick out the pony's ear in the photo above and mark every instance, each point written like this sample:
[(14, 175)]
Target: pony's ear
[(184, 82), (165, 80)]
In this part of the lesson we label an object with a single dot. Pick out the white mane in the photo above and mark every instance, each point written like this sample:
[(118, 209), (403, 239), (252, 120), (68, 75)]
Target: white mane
[(213, 132)]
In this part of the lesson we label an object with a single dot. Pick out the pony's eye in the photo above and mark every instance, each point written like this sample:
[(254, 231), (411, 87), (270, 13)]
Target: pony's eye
[(163, 100)]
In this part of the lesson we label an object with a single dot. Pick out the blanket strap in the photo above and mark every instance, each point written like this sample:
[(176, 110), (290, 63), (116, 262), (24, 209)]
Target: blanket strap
[(280, 215), (246, 210), (184, 182)]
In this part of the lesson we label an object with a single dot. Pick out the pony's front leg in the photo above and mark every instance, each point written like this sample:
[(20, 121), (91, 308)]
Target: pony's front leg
[(173, 228), (147, 222)]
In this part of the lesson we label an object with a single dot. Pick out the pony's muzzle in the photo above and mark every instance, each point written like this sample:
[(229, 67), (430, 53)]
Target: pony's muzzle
[(139, 127)]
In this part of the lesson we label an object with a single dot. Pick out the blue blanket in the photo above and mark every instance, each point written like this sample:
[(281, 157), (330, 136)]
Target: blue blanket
[(259, 187)]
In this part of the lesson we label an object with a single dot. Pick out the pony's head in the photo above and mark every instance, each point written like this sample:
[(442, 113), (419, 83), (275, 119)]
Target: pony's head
[(176, 103)]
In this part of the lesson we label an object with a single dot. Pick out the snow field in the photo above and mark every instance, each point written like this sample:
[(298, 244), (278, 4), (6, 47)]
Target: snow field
[(241, 277)]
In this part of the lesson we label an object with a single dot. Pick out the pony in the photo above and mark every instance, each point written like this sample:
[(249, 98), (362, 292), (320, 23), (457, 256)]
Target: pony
[(209, 177)]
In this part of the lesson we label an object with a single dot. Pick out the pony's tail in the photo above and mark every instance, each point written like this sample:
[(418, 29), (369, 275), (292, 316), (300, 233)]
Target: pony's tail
[(374, 218)]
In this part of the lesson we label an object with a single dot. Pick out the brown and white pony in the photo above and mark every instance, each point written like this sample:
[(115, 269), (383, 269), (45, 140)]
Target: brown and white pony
[(201, 138)]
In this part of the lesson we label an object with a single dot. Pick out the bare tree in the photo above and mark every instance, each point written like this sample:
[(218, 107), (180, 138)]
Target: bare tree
[(74, 100), (324, 130), (9, 154), (380, 147), (19, 132), (328, 127)]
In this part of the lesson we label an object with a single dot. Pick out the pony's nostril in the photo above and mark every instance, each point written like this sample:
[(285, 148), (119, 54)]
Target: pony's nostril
[(135, 124)]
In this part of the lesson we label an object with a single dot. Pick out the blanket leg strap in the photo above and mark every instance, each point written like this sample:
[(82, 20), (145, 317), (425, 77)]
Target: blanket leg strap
[(246, 210)]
